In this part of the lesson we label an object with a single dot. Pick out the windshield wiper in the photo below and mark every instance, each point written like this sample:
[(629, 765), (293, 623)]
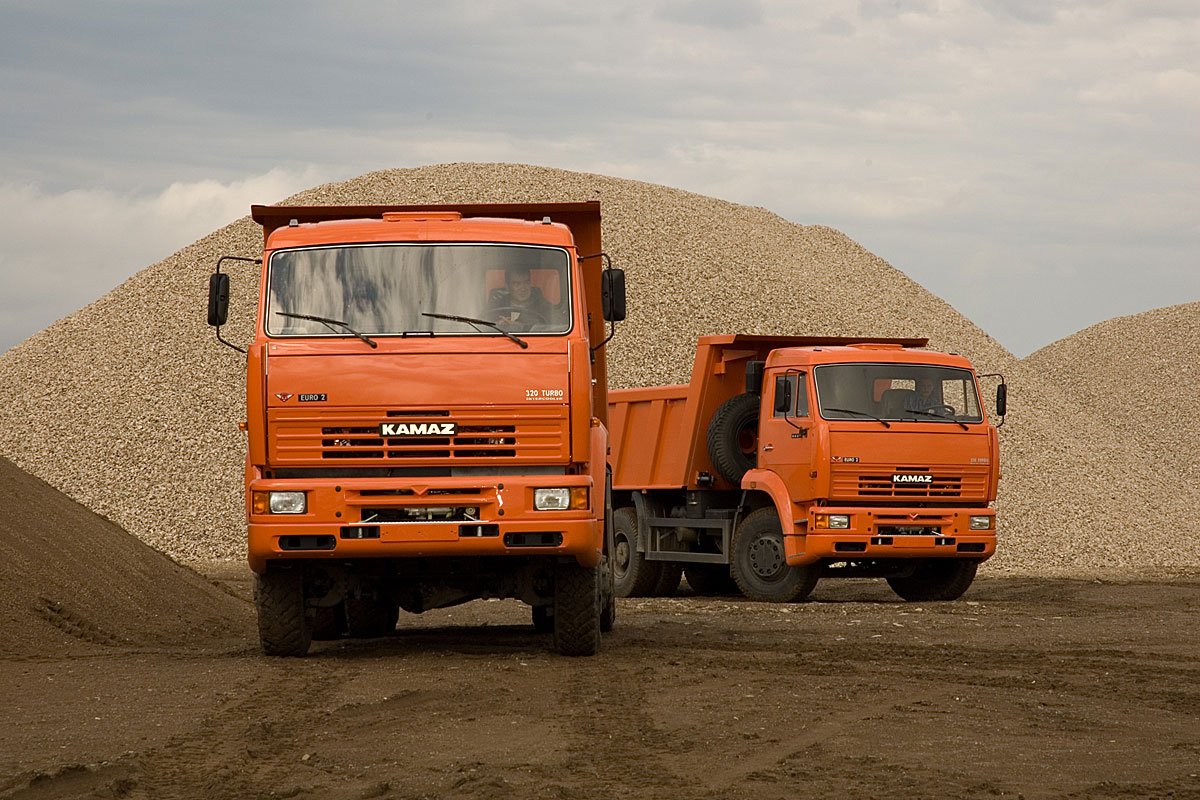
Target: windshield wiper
[(863, 413), (472, 321), (330, 323), (937, 416)]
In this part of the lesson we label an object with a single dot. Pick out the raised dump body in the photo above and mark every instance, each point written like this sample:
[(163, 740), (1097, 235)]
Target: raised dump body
[(786, 459), (426, 402)]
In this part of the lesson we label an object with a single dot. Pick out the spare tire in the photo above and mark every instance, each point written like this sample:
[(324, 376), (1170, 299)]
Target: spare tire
[(733, 437)]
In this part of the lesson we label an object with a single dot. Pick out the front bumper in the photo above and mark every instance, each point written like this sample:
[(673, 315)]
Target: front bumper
[(880, 533), (355, 518)]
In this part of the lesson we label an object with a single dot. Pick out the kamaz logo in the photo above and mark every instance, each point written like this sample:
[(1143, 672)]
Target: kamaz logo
[(418, 428), (911, 478)]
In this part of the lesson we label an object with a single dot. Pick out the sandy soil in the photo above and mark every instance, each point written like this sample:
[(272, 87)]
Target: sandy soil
[(1033, 688)]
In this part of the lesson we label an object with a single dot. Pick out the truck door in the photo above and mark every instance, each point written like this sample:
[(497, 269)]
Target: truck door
[(785, 443)]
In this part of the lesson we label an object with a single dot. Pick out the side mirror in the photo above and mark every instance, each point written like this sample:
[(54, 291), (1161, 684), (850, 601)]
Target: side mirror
[(1002, 399), (218, 298), (612, 294), (783, 396), (754, 376)]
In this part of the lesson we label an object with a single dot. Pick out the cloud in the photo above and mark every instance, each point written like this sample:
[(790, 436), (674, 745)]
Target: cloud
[(938, 132), (62, 250)]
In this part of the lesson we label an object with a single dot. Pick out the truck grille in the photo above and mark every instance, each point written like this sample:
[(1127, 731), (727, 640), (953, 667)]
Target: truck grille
[(352, 437), (877, 484)]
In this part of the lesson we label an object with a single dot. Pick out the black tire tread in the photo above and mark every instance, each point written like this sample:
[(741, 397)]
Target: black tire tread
[(668, 580), (283, 624), (645, 574), (576, 610), (732, 415)]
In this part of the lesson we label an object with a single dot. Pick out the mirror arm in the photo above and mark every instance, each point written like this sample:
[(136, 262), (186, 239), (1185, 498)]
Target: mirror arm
[(612, 326), (218, 272), (1003, 383)]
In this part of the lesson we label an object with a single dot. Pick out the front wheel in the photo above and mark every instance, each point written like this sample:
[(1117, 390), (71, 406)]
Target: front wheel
[(577, 610), (284, 628), (936, 579), (759, 566)]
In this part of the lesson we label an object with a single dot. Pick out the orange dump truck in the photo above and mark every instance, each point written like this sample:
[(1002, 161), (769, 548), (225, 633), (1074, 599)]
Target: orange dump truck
[(788, 459), (426, 417)]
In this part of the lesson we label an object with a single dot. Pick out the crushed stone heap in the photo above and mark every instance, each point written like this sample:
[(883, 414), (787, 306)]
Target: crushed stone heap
[(131, 406)]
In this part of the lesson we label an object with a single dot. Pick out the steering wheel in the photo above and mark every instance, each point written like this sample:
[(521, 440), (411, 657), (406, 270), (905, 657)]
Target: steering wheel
[(942, 411), (526, 313)]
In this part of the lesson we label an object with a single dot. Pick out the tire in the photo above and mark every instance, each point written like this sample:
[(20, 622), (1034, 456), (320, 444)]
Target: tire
[(668, 579), (733, 437), (576, 609), (329, 623), (608, 614), (633, 575), (709, 579), (284, 628), (608, 585), (936, 579), (543, 619), (759, 567), (370, 617)]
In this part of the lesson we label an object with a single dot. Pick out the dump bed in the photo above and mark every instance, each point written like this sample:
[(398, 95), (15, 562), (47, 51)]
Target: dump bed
[(659, 433)]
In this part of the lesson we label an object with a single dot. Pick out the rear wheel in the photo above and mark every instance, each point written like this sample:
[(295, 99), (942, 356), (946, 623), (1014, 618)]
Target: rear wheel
[(936, 579), (576, 609), (370, 617), (759, 565), (329, 623), (633, 575), (543, 619), (709, 578), (668, 580), (733, 437), (284, 628)]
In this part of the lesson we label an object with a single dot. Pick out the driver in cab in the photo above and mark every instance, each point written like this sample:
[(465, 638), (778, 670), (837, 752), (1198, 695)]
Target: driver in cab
[(520, 304), (926, 396)]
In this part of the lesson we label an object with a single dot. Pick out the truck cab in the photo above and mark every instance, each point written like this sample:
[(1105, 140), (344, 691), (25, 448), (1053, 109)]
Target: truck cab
[(878, 446), (790, 459), (426, 408)]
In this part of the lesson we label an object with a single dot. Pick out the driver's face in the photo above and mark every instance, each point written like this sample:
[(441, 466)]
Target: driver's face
[(519, 288), (925, 387)]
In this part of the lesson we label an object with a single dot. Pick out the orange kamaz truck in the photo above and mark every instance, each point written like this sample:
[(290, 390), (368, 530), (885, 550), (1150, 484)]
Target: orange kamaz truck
[(789, 459), (426, 406)]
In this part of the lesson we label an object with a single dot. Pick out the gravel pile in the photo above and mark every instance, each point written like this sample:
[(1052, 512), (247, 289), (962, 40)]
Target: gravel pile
[(130, 405)]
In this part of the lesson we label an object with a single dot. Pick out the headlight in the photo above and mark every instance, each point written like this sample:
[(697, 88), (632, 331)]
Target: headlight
[(560, 498), (833, 521), (981, 523), (288, 503)]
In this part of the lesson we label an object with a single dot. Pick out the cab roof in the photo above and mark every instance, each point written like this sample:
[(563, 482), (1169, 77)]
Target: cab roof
[(299, 226)]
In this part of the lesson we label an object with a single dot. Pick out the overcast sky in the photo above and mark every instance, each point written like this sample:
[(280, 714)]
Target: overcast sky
[(1033, 162)]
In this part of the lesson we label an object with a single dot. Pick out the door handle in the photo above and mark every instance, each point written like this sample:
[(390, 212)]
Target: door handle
[(767, 447)]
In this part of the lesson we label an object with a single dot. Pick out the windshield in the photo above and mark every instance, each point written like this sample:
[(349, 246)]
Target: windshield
[(910, 392), (392, 289)]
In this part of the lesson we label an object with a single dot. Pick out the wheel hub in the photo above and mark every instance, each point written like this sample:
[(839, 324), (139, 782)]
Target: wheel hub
[(621, 557), (767, 558)]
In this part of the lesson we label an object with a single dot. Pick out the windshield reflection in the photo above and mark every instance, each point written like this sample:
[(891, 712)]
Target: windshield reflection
[(391, 289)]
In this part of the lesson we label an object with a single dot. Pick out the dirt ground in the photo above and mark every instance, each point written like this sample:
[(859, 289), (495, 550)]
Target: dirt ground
[(1033, 688)]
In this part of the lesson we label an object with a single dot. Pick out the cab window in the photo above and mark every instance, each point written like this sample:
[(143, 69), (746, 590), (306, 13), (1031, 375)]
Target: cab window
[(791, 396)]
